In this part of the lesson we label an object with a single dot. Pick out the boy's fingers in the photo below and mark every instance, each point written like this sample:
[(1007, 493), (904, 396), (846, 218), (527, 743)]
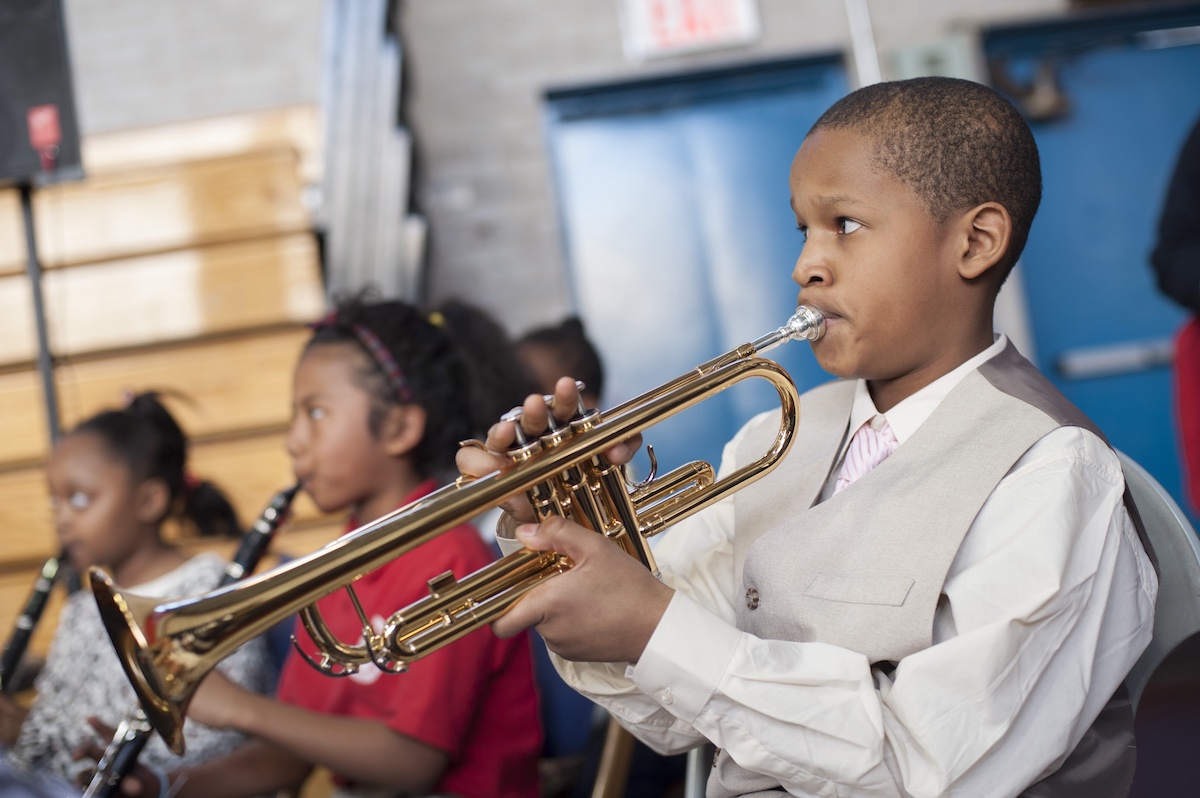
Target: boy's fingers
[(566, 399), (559, 534), (535, 416), (555, 534), (521, 616), (623, 452), (475, 462), (537, 409), (531, 537), (500, 437)]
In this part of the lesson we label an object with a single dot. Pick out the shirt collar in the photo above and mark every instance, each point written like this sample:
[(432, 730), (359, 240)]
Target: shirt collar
[(910, 413)]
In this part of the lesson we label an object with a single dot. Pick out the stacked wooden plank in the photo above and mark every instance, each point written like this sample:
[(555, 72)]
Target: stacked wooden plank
[(185, 262)]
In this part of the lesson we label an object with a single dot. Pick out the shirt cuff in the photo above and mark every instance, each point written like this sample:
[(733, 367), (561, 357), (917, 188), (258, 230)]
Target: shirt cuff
[(506, 534), (686, 657)]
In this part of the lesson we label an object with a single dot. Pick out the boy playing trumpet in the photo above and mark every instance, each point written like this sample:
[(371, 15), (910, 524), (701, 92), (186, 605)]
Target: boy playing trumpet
[(941, 590)]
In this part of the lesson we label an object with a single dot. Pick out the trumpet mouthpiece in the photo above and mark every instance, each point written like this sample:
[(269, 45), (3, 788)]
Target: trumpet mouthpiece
[(806, 324)]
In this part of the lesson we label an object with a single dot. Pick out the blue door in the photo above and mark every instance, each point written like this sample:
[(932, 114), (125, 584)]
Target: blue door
[(1129, 90), (679, 235)]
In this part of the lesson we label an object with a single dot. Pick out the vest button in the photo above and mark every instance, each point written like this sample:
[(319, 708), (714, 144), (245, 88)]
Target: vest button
[(752, 598)]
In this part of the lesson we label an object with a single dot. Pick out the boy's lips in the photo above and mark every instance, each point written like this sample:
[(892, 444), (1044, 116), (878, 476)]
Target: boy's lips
[(825, 310)]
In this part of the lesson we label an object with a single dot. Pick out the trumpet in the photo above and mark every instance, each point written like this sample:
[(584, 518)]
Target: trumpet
[(167, 648)]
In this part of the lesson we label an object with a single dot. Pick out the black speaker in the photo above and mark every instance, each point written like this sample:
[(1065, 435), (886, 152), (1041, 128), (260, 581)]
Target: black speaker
[(39, 134)]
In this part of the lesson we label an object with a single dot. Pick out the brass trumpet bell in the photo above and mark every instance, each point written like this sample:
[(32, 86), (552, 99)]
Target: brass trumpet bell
[(167, 648)]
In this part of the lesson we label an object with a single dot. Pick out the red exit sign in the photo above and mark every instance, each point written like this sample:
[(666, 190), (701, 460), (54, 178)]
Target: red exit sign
[(653, 28)]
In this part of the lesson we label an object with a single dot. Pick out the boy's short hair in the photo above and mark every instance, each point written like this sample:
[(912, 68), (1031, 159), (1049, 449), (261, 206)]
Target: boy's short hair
[(955, 142)]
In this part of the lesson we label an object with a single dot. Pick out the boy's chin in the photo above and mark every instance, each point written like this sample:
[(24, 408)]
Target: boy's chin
[(836, 366)]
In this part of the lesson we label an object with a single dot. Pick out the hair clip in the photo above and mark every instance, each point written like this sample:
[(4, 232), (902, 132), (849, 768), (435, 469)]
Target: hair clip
[(437, 319)]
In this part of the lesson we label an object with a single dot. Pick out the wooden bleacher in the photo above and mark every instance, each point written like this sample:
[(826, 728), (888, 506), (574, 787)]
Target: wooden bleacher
[(185, 262)]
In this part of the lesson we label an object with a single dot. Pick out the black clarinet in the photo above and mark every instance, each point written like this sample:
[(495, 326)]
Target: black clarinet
[(27, 621), (133, 732), (258, 539)]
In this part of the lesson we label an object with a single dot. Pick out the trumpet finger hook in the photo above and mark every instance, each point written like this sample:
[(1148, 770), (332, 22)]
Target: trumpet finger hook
[(377, 649), (325, 665), (332, 649), (653, 469)]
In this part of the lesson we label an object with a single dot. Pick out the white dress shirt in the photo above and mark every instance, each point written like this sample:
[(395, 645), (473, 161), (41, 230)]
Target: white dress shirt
[(1047, 605)]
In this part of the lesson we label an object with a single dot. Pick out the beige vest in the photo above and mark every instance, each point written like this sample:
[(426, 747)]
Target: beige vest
[(864, 570)]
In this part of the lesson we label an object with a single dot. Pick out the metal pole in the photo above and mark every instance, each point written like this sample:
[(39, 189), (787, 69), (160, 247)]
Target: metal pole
[(34, 269), (862, 43)]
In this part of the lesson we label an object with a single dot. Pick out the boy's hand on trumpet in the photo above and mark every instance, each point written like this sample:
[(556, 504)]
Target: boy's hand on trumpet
[(604, 609), (534, 418), (579, 614)]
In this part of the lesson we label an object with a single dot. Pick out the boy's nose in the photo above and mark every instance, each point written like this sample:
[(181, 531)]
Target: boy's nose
[(811, 269)]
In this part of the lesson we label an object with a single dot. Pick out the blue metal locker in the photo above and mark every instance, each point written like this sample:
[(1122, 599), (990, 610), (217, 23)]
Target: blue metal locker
[(1127, 86)]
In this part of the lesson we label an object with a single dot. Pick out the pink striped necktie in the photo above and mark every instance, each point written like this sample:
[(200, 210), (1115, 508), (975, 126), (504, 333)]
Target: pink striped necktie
[(868, 448)]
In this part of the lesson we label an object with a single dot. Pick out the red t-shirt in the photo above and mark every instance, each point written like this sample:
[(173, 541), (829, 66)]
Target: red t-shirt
[(474, 699)]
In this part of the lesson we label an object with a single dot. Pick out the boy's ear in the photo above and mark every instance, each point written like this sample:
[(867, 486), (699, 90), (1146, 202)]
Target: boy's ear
[(152, 501), (987, 232), (403, 429)]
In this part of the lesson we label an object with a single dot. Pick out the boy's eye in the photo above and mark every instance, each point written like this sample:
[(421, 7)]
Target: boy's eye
[(803, 230), (846, 226), (316, 413), (78, 500)]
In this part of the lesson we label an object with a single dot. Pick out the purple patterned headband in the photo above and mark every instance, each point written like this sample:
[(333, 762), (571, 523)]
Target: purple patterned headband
[(375, 348)]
